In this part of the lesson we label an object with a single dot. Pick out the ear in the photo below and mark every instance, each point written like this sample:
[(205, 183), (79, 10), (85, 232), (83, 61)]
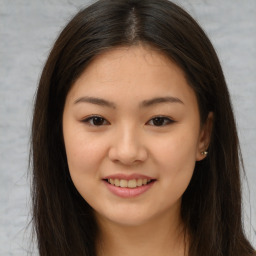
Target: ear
[(204, 137)]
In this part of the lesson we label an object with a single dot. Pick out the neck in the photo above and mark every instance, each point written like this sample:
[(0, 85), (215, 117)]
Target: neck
[(159, 236)]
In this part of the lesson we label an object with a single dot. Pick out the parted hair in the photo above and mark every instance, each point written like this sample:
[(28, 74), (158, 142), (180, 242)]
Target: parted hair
[(63, 222)]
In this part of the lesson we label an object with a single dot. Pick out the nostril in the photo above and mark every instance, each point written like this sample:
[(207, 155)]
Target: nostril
[(128, 153)]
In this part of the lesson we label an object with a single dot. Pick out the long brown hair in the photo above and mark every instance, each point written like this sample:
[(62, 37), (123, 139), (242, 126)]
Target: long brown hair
[(211, 205)]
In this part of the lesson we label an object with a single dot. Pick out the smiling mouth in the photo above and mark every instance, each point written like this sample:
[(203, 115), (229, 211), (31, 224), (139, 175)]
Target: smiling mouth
[(133, 183)]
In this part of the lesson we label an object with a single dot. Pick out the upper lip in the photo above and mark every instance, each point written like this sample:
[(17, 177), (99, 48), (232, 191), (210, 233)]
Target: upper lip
[(121, 176)]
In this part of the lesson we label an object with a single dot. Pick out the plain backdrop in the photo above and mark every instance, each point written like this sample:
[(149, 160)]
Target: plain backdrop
[(28, 29)]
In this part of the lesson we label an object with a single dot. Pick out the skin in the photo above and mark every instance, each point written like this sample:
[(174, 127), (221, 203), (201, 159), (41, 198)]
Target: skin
[(127, 141)]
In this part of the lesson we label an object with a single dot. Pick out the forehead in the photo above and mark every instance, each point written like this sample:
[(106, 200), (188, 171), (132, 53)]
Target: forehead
[(130, 61), (134, 72)]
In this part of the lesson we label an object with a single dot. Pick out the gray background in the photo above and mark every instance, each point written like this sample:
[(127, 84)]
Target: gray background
[(27, 31)]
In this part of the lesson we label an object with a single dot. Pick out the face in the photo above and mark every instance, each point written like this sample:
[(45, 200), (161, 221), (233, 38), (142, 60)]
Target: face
[(132, 135)]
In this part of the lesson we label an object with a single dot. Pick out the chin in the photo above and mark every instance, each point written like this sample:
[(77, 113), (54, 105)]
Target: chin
[(130, 222), (124, 218)]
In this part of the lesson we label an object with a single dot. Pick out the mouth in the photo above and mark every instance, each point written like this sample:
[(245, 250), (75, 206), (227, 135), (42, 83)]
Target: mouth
[(128, 186), (132, 183)]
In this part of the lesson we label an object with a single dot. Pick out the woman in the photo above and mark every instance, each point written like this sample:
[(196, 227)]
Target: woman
[(131, 152)]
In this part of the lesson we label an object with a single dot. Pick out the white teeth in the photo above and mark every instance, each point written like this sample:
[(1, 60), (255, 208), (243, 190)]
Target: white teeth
[(128, 183), (117, 182), (123, 183), (132, 184), (139, 182)]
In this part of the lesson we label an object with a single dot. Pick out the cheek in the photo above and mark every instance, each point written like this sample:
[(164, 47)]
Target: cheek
[(176, 158), (176, 149), (81, 158), (84, 153), (84, 162)]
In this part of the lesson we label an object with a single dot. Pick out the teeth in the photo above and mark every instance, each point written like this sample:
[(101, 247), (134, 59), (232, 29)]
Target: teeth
[(139, 182), (132, 184), (117, 182), (128, 183), (123, 183)]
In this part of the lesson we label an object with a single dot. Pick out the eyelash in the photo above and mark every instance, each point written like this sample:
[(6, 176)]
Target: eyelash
[(90, 120), (163, 121)]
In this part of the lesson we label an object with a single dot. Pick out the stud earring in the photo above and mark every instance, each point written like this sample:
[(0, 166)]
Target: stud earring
[(204, 153)]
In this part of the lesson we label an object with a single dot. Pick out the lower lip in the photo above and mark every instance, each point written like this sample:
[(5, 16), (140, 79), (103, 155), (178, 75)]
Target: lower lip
[(129, 192)]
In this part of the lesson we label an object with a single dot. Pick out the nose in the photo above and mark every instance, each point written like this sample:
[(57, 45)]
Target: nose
[(127, 147)]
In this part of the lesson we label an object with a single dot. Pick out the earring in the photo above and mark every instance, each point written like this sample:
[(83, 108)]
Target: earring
[(204, 153)]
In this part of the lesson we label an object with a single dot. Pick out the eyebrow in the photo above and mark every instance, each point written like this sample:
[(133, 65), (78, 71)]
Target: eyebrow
[(96, 101), (145, 103), (154, 101)]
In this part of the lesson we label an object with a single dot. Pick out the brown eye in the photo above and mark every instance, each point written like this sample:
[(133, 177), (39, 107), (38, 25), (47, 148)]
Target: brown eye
[(160, 121), (96, 121)]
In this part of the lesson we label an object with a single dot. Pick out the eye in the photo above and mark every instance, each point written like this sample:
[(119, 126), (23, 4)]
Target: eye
[(96, 121), (160, 121)]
